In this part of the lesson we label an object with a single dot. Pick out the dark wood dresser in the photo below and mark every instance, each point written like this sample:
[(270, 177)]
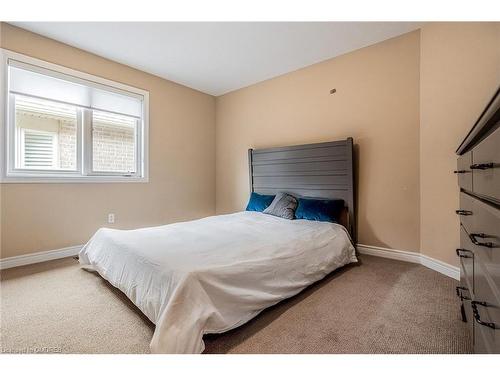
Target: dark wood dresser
[(479, 180)]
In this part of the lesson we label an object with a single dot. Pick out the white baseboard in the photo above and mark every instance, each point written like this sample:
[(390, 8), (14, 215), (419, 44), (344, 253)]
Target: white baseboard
[(408, 256), (42, 256), (441, 267)]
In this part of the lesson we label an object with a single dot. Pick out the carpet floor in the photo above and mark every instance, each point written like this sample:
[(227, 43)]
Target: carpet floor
[(376, 306)]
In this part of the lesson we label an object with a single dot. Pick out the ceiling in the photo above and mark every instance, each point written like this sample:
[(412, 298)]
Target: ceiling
[(219, 57)]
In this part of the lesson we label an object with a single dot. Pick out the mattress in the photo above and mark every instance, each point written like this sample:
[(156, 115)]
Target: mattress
[(214, 274)]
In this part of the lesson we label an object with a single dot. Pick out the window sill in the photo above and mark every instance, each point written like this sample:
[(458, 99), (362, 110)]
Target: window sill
[(16, 179)]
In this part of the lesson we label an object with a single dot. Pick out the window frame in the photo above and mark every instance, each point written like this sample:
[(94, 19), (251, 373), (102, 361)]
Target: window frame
[(25, 173), (88, 140), (83, 172)]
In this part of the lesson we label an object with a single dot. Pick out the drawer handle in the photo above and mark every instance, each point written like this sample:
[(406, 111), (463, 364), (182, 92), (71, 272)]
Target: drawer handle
[(459, 290), (474, 240), (482, 166), (462, 312), (463, 212), (477, 317), (459, 253), (460, 171)]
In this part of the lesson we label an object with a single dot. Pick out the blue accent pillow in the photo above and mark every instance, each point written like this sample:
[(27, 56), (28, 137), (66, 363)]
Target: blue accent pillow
[(259, 202), (319, 209)]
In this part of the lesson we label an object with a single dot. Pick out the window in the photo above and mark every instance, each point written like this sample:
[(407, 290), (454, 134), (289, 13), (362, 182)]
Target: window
[(46, 134), (113, 143), (62, 125)]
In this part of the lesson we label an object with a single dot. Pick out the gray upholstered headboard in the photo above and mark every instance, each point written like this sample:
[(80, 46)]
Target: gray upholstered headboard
[(323, 170)]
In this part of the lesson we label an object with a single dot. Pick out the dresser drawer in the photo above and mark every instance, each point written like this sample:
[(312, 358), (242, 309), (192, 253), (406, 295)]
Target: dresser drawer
[(485, 236), (487, 312), (464, 172), (486, 166), (466, 211), (466, 255)]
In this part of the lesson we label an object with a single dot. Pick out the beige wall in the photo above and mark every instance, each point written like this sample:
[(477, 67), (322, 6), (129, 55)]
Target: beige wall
[(1, 185), (460, 71), (38, 217), (377, 103), (1, 150), (408, 102)]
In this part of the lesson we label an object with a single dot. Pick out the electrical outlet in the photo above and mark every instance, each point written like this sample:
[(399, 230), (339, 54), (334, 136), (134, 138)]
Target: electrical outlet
[(111, 218)]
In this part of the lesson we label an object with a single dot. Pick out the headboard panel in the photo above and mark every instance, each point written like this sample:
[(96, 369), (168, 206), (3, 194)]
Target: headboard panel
[(323, 170)]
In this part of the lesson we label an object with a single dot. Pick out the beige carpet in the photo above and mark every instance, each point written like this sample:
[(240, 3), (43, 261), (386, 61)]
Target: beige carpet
[(378, 306)]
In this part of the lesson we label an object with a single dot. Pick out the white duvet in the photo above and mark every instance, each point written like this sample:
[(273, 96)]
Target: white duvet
[(214, 274)]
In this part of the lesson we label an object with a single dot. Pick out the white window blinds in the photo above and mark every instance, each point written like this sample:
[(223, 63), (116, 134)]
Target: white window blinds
[(39, 149), (38, 82)]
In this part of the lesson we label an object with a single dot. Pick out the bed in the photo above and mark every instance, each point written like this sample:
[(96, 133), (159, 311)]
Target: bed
[(214, 274)]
